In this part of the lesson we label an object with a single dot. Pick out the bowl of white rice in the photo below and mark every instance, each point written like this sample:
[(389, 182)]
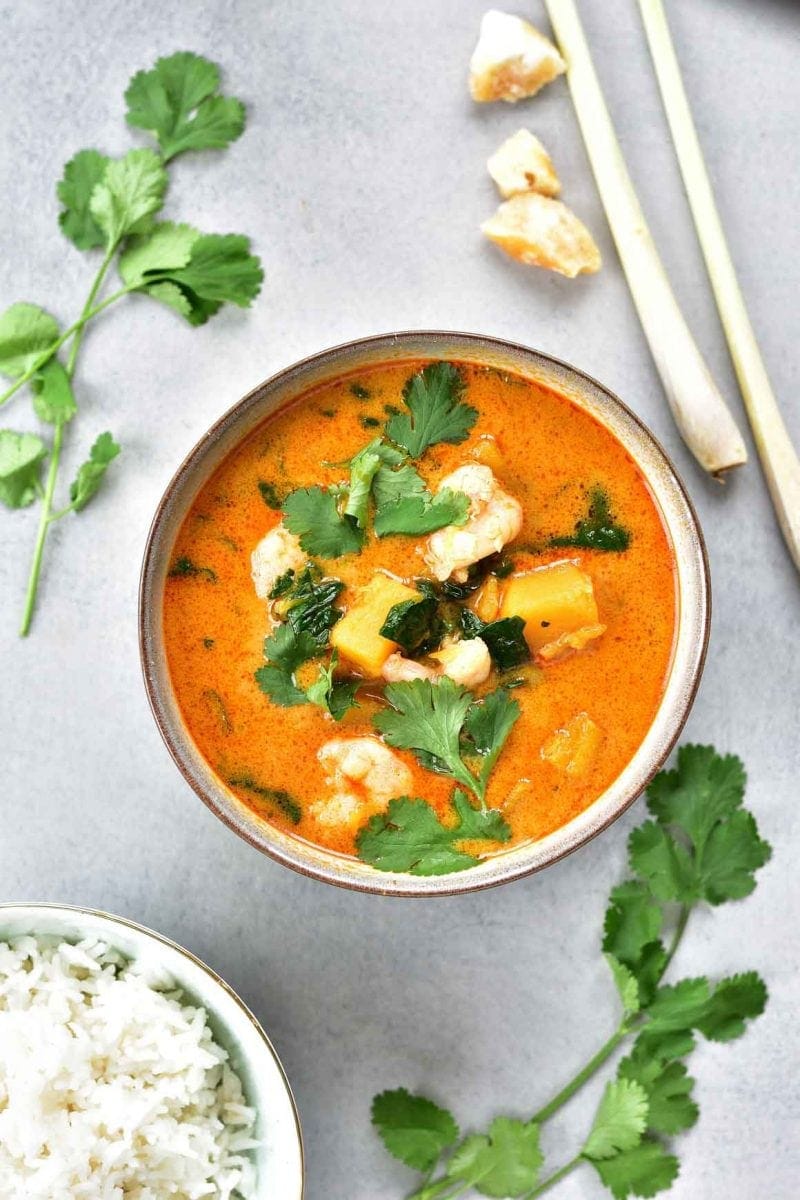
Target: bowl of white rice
[(130, 1071)]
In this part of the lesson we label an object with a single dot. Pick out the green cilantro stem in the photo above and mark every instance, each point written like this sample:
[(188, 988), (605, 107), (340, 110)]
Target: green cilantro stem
[(555, 1178), (576, 1083), (47, 516), (46, 355), (41, 534), (677, 937)]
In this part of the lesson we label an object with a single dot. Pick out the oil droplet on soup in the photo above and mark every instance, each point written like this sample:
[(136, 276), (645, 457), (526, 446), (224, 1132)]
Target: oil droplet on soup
[(585, 705)]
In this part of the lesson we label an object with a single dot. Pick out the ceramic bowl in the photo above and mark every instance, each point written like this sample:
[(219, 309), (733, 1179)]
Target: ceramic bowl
[(693, 609), (279, 1158)]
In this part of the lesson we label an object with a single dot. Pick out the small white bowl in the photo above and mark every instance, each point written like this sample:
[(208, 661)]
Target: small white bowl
[(279, 1158)]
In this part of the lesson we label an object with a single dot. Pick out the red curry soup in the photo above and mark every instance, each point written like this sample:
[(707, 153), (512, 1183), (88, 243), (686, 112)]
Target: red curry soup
[(421, 614)]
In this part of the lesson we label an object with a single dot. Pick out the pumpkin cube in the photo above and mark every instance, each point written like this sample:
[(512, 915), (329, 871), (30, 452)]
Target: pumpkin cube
[(553, 601), (573, 748), (357, 635)]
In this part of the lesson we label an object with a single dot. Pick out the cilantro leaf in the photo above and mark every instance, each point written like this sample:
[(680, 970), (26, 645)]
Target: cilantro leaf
[(363, 468), (505, 639), (598, 530), (131, 190), (503, 1163), (620, 1120), (733, 1001), (409, 837), (665, 864), (412, 1128), (285, 651), (82, 173), (313, 515), (488, 724), (699, 803), (422, 513), (632, 920), (220, 270), (335, 696), (426, 716), (185, 568), (177, 102), (643, 1171), (393, 485), (26, 331), (166, 247), (436, 412), (53, 398), (679, 1005), (626, 984), (670, 1107), (90, 473), (21, 456)]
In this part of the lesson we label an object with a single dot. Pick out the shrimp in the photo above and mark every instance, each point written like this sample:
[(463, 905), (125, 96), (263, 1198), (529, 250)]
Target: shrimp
[(494, 518), (274, 555), (364, 775), (465, 662)]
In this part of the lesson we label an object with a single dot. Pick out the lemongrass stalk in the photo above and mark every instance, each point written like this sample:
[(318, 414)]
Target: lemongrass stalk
[(778, 455), (701, 414)]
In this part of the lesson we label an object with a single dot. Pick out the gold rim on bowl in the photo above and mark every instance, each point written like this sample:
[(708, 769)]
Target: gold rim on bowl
[(692, 620)]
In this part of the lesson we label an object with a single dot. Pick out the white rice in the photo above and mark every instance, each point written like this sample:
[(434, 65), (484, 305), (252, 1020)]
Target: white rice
[(112, 1088)]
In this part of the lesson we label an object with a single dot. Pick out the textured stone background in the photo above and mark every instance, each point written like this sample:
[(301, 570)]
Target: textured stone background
[(361, 180)]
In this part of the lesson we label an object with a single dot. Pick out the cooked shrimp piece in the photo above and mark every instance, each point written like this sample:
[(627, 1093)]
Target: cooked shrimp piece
[(465, 662), (364, 775), (511, 60), (494, 518), (274, 555), (398, 669)]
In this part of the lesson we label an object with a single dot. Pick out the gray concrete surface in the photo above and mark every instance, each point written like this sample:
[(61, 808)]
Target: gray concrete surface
[(361, 181)]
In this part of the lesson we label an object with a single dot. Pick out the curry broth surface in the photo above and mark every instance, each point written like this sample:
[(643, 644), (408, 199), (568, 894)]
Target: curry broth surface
[(554, 453)]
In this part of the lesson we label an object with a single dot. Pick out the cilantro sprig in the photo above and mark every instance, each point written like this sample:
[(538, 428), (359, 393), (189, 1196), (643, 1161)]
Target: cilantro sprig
[(435, 412), (110, 205), (697, 807)]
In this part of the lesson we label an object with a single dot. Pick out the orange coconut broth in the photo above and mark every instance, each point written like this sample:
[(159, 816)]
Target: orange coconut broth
[(552, 455)]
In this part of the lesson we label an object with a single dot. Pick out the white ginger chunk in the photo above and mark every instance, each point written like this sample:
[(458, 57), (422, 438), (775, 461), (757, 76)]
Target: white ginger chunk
[(522, 164), (511, 60), (543, 232)]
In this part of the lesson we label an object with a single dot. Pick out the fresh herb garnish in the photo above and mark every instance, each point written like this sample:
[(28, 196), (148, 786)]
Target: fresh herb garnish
[(431, 718), (420, 514), (308, 601), (415, 625), (697, 806), (409, 837), (436, 412), (598, 530), (184, 568), (285, 650), (504, 638), (269, 494), (277, 796), (110, 204), (335, 696), (313, 515)]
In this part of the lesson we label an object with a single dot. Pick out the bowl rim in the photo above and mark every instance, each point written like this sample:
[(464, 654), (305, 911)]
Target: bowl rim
[(300, 857), (162, 939)]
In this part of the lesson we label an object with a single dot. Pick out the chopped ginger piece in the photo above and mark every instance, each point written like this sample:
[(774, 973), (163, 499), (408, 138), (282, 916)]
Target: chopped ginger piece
[(577, 640), (522, 164), (542, 232), (553, 601), (573, 748), (357, 635), (511, 60), (487, 451)]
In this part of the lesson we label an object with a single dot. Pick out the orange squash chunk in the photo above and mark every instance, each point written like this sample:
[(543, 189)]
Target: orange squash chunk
[(357, 635), (553, 601), (572, 749)]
